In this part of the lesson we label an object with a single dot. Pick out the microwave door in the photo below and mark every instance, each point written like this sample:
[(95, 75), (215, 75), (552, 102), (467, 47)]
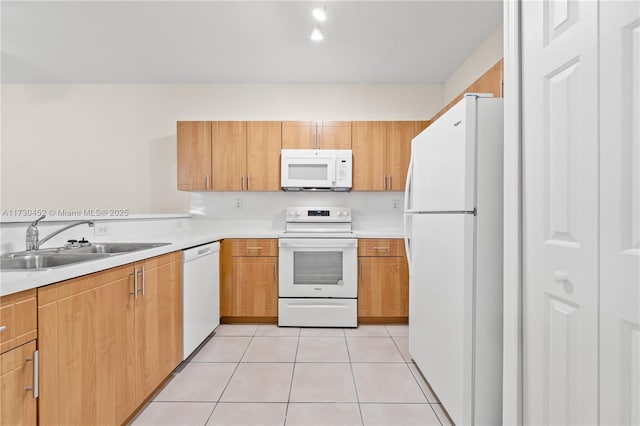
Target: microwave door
[(308, 173)]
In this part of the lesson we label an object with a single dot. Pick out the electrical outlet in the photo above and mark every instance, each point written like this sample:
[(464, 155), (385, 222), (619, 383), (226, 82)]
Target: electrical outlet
[(101, 230), (237, 204), (395, 204)]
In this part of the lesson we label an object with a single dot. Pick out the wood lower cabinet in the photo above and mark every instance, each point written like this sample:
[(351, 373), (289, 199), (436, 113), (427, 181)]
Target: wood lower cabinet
[(17, 402), (18, 333), (106, 345), (249, 280), (383, 281), (381, 153)]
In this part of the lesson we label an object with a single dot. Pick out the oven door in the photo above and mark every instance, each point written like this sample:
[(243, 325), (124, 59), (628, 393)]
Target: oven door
[(318, 267)]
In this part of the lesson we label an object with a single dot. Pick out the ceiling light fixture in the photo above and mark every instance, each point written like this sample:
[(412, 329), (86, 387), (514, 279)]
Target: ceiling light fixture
[(320, 13), (316, 35)]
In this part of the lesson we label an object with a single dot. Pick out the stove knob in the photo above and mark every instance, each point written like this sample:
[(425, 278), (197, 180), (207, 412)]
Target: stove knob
[(339, 213), (290, 214), (345, 213), (297, 214)]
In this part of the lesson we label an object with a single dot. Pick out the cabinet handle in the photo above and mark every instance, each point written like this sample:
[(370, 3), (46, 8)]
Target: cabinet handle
[(36, 378), (135, 282), (208, 181), (360, 267), (142, 273), (385, 182), (381, 248), (3, 327), (254, 248), (248, 182), (242, 179), (275, 270), (390, 183)]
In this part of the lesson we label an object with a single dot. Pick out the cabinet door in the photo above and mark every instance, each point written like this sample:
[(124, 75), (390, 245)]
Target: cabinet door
[(264, 141), (334, 134), (17, 404), (369, 144), (194, 155), (228, 155), (255, 286), (158, 322), (298, 135), (87, 352), (18, 320), (399, 136), (383, 287)]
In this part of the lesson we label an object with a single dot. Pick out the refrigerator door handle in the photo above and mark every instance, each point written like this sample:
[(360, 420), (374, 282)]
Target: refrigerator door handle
[(407, 188), (407, 243)]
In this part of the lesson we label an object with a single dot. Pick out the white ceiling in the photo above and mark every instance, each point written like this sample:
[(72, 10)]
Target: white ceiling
[(240, 41)]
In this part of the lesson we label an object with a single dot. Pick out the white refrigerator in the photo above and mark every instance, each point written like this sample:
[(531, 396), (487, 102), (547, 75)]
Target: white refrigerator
[(453, 236)]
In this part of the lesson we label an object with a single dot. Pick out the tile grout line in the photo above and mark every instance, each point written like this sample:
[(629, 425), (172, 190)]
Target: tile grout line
[(293, 372), (353, 377), (232, 373)]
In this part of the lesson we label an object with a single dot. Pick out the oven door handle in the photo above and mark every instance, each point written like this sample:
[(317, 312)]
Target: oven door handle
[(317, 243)]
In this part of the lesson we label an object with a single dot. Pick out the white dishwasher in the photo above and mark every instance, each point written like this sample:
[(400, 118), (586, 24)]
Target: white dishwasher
[(201, 294)]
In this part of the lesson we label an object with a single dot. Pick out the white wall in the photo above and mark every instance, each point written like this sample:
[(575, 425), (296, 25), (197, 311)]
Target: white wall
[(69, 146), (483, 58)]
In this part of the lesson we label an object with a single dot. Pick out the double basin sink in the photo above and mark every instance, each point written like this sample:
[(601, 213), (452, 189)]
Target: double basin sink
[(62, 256)]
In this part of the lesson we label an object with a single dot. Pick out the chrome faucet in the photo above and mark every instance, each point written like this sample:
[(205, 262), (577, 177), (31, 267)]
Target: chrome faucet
[(32, 233)]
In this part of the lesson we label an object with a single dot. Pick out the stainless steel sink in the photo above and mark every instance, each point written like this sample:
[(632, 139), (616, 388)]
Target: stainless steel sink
[(61, 256), (46, 260), (114, 248)]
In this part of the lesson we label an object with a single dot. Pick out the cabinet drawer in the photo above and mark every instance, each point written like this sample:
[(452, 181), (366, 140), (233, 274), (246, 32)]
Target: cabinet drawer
[(381, 247), (254, 247), (18, 319)]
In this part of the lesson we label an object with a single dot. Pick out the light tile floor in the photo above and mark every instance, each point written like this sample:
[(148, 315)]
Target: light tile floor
[(264, 375)]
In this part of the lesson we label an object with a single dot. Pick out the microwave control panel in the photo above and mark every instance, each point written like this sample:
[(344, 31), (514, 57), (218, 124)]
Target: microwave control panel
[(343, 172)]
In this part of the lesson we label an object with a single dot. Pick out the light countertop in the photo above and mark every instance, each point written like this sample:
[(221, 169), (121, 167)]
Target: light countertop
[(16, 281)]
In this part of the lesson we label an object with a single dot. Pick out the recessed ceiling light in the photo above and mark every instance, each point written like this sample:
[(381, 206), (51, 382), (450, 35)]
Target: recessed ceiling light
[(320, 13), (316, 35)]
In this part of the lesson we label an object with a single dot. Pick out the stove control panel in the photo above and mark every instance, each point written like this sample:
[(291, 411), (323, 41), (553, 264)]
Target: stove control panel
[(318, 214)]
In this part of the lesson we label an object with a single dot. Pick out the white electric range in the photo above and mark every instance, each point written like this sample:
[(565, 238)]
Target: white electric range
[(318, 257)]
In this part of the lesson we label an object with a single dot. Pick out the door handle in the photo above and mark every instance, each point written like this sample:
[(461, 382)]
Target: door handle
[(143, 280), (135, 282), (36, 378)]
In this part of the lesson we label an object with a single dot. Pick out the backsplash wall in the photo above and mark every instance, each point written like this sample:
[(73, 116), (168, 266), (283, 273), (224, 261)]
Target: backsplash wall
[(265, 211)]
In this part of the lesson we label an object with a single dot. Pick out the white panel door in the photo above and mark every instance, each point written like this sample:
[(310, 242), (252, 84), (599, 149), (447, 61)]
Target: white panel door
[(620, 212), (560, 146), (441, 308)]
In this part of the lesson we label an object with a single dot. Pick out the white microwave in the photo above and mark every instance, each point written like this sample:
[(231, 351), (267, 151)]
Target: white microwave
[(316, 169)]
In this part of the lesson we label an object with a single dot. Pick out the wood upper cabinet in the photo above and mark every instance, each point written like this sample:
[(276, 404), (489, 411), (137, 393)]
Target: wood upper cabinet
[(17, 402), (264, 142), (369, 145), (194, 155), (229, 155), (299, 135), (334, 134), (316, 135), (399, 136), (381, 153), (383, 281), (104, 347), (249, 279)]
